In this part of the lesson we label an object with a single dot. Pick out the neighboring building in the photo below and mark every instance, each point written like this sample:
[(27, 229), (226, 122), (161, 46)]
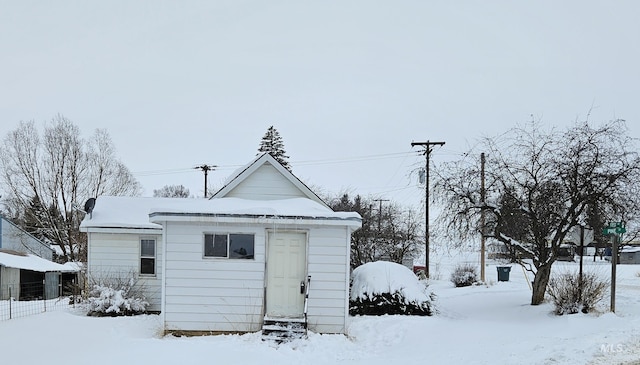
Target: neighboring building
[(630, 255), (15, 238), (28, 277), (236, 261), (26, 270)]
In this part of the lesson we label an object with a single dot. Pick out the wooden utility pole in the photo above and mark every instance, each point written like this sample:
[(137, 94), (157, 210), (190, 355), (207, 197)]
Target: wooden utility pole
[(206, 168), (380, 212), (427, 152), (483, 235)]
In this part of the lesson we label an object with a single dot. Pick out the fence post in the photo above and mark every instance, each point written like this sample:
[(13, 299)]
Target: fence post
[(44, 294), (10, 300)]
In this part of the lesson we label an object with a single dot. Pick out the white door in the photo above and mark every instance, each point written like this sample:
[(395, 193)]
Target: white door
[(286, 270)]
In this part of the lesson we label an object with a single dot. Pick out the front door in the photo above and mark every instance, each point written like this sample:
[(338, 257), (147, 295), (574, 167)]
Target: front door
[(286, 270)]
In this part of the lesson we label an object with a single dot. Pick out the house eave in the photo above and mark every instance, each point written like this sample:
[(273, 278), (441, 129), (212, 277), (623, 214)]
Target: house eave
[(123, 229), (354, 222)]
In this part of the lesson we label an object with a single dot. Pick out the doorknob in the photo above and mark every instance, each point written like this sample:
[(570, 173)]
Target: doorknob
[(302, 287)]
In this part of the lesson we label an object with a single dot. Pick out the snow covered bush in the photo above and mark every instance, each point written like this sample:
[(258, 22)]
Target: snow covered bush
[(381, 287), (115, 300), (568, 298), (464, 275)]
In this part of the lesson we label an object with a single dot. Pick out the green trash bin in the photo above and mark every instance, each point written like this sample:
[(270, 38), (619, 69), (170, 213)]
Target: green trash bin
[(503, 273)]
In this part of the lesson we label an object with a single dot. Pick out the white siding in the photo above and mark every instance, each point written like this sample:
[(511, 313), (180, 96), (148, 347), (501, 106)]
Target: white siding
[(118, 255), (221, 295), (266, 183), (329, 270), (211, 294)]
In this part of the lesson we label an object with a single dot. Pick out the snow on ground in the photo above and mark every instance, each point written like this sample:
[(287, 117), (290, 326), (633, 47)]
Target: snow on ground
[(488, 324)]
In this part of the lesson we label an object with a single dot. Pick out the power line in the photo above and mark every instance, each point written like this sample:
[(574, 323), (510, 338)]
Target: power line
[(297, 163), (352, 159), (161, 172)]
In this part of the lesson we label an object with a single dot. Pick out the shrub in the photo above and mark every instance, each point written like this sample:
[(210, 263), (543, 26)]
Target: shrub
[(380, 288), (116, 300), (391, 303), (568, 298), (464, 275)]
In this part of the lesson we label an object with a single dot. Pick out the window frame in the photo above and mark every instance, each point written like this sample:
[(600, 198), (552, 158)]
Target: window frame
[(228, 245), (147, 257)]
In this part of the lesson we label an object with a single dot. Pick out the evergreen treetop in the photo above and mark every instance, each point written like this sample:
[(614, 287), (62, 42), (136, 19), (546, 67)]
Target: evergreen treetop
[(272, 143)]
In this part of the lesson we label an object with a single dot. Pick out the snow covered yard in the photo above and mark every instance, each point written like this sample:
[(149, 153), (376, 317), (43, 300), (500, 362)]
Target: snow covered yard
[(491, 324)]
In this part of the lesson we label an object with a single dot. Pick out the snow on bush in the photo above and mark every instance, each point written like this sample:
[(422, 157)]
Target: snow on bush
[(382, 287), (568, 296), (106, 301), (464, 275)]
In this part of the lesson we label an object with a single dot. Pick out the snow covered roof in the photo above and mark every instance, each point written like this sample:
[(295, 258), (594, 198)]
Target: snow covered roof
[(123, 212), (293, 207), (134, 212), (631, 249), (31, 262)]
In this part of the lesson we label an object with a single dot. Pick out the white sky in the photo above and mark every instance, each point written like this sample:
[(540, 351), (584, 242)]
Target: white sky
[(349, 85)]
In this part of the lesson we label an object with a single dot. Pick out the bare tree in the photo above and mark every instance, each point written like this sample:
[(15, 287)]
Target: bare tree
[(390, 233), (49, 176), (539, 186), (172, 191)]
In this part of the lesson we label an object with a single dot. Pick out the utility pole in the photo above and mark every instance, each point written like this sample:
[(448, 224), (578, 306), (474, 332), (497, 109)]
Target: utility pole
[(378, 235), (427, 152), (483, 237), (380, 212), (205, 168)]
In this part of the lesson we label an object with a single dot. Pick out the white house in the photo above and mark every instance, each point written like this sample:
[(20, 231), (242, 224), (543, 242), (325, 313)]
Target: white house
[(265, 248)]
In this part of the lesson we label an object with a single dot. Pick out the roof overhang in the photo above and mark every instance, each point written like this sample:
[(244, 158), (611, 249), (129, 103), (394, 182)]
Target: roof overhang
[(261, 219), (124, 229)]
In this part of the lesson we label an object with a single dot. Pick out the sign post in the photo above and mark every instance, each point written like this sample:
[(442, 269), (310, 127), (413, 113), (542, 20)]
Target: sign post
[(615, 230)]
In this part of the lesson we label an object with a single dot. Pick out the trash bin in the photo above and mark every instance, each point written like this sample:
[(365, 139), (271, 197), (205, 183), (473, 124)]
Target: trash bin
[(503, 273)]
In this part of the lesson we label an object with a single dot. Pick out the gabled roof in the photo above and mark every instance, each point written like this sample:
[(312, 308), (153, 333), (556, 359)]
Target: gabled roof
[(243, 173), (112, 212)]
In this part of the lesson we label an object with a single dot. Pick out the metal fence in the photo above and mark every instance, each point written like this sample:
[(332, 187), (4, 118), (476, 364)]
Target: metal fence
[(26, 299)]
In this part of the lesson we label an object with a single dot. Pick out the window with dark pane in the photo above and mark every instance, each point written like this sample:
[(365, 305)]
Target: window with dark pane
[(241, 246), (148, 256), (215, 245)]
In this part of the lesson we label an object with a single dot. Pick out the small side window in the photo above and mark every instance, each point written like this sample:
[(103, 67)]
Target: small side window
[(147, 257)]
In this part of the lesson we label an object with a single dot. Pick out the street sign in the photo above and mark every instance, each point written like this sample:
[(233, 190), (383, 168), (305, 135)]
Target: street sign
[(614, 228)]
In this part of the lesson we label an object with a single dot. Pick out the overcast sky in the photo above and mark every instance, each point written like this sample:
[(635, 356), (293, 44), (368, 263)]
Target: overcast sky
[(348, 84)]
